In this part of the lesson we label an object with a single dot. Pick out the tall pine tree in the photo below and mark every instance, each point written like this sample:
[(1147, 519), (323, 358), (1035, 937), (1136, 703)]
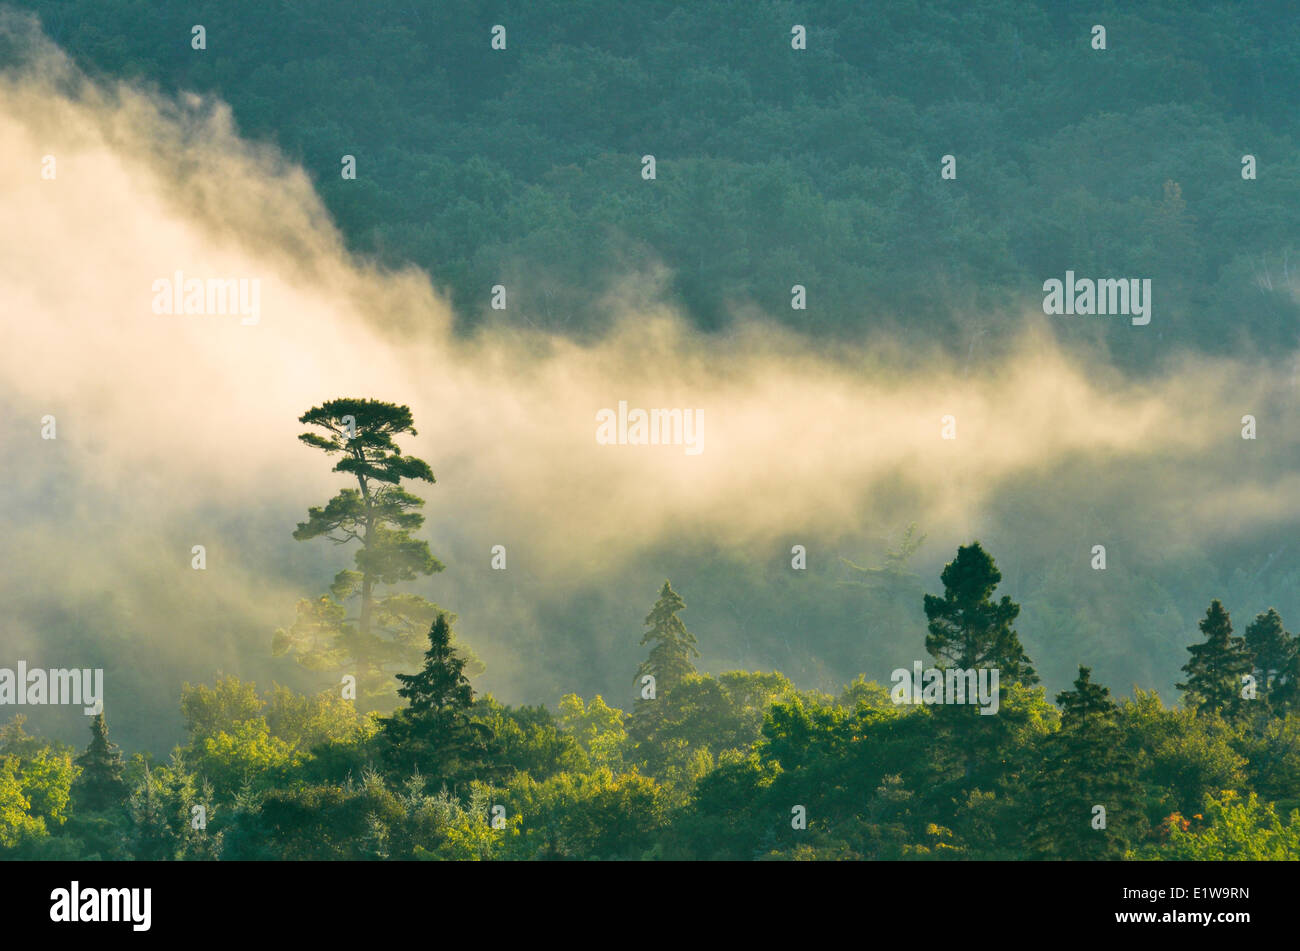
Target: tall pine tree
[(1273, 650), (968, 630), (379, 515), (1217, 666)]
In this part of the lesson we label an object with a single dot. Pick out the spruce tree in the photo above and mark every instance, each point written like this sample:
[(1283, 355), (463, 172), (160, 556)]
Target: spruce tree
[(669, 663), (1085, 764), (434, 733), (1284, 695), (670, 657), (100, 786), (1087, 704), (1272, 648), (1215, 670), (152, 837)]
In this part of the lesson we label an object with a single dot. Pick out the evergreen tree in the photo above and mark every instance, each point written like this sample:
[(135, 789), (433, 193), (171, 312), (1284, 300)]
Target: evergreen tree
[(380, 515), (968, 630), (201, 843), (152, 837), (1085, 765), (1215, 670), (1284, 695), (1088, 704), (1273, 649), (670, 658), (434, 733), (670, 664), (100, 786)]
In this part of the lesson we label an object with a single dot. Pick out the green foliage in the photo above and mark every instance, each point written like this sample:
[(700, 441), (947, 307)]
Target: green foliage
[(380, 515), (248, 754), (674, 646), (237, 738), (16, 820), (1231, 828), (1181, 756), (305, 722), (435, 732), (1216, 667), (1086, 766), (716, 767), (528, 172), (1274, 654), (46, 772), (601, 730), (462, 832), (704, 714), (47, 780), (99, 785), (324, 822), (208, 711), (967, 630), (528, 740), (1273, 761), (596, 815)]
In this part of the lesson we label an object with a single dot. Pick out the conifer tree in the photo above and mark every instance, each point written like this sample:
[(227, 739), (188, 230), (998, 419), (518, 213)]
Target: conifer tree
[(385, 633), (674, 646), (1085, 765), (669, 663), (434, 733), (100, 786), (1272, 649), (1088, 704), (967, 629), (1215, 670), (1284, 695), (152, 837)]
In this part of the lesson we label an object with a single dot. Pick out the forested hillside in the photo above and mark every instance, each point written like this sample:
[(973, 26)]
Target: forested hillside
[(822, 227), (819, 168)]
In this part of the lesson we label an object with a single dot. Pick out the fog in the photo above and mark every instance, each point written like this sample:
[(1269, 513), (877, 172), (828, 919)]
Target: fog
[(177, 430)]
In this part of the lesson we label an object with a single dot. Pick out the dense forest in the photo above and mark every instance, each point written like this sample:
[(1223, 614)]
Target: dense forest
[(522, 168), (740, 765)]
